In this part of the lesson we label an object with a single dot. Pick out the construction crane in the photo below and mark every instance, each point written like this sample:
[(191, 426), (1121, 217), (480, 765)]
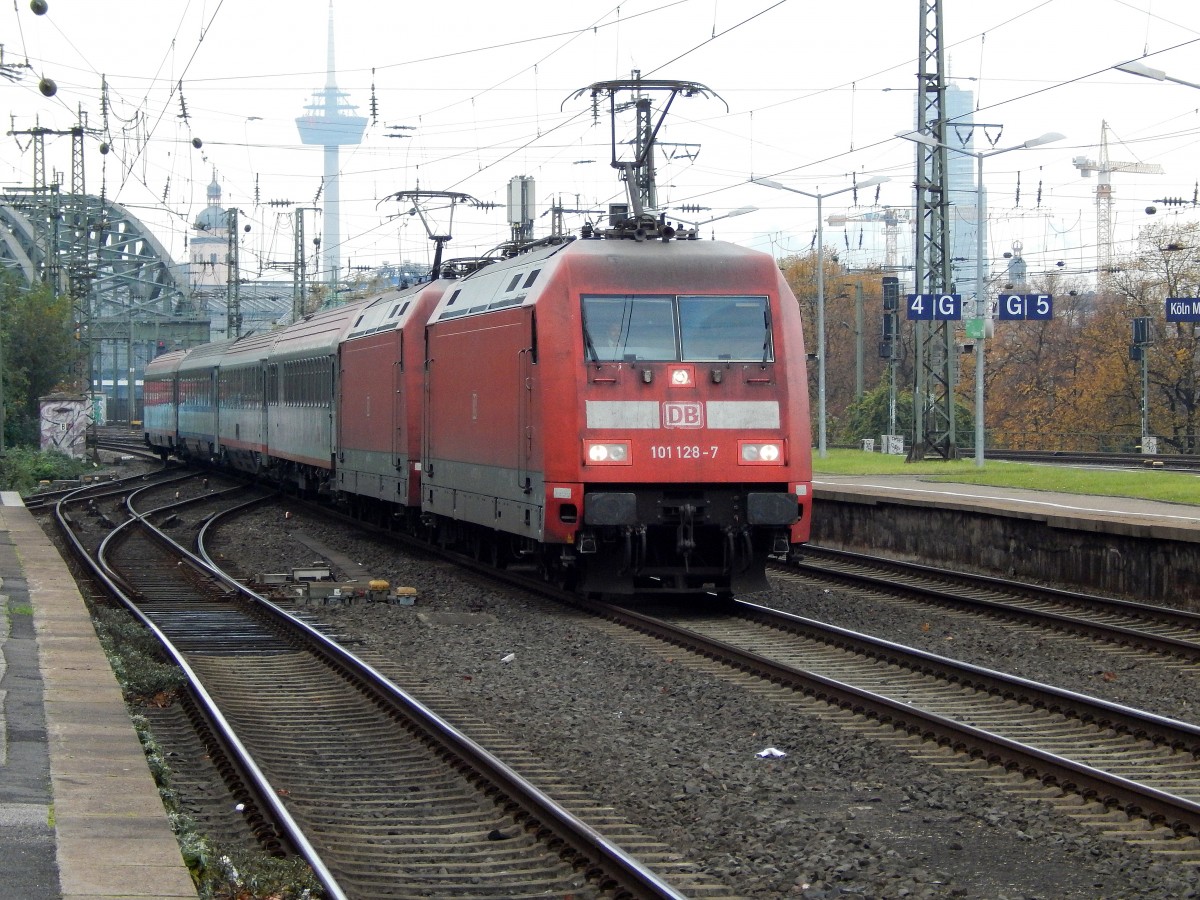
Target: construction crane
[(1104, 194), (891, 219)]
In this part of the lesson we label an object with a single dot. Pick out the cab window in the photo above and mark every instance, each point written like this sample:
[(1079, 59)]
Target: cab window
[(689, 327), (725, 328), (630, 328)]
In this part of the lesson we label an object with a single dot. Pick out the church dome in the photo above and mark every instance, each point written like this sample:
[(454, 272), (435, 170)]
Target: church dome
[(213, 217)]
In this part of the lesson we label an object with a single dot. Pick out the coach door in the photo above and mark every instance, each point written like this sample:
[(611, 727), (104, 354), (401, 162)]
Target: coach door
[(215, 408), (399, 411), (260, 390), (526, 360)]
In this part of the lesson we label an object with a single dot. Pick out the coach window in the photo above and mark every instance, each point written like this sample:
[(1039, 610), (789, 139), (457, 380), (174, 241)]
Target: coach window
[(725, 328), (629, 327)]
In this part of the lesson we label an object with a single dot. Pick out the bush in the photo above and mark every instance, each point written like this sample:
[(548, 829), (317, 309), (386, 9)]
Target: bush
[(22, 468)]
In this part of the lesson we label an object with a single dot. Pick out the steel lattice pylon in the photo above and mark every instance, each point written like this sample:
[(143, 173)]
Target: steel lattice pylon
[(933, 394)]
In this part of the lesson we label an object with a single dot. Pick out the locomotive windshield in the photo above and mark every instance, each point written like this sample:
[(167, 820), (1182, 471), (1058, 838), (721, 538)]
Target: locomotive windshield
[(666, 328)]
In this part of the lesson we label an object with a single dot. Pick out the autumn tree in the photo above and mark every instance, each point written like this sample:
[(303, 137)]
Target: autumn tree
[(1055, 384), (1070, 382), (1166, 265), (846, 340), (39, 352), (1067, 383)]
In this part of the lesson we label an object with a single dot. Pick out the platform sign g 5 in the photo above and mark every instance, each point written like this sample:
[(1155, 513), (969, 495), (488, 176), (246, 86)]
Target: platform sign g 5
[(1026, 306), (942, 307), (1183, 309)]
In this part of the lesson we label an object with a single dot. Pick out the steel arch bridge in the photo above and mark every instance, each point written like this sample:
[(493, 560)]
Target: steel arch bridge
[(130, 298)]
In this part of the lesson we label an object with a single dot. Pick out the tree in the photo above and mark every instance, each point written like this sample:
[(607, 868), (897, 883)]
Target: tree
[(841, 339), (1065, 383), (40, 353), (1167, 264), (1046, 379), (869, 416)]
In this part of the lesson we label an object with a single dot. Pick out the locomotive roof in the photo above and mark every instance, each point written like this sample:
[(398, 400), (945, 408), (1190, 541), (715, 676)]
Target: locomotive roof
[(392, 310), (688, 265), (498, 286)]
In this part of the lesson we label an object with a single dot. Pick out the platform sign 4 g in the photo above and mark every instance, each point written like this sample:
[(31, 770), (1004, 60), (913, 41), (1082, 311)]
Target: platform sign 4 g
[(930, 307), (1026, 306)]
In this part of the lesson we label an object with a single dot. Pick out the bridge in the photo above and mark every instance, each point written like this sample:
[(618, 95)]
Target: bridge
[(131, 300)]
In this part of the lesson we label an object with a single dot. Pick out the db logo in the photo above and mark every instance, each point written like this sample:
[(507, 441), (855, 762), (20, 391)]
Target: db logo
[(682, 415)]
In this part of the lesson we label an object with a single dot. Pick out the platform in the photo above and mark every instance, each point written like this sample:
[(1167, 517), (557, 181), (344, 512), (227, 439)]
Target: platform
[(80, 815), (1130, 548), (1123, 513)]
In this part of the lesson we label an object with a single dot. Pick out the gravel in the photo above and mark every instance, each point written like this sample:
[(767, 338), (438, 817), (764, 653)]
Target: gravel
[(674, 748)]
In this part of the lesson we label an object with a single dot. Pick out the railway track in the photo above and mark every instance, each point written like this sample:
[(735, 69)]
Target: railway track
[(948, 725), (1142, 627), (1132, 774), (383, 797), (1088, 757), (1174, 461), (98, 489)]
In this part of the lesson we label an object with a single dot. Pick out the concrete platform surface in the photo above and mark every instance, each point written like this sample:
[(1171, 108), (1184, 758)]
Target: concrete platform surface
[(1016, 501), (80, 815)]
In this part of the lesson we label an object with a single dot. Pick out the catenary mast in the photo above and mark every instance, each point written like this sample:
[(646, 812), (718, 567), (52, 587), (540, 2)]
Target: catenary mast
[(933, 393)]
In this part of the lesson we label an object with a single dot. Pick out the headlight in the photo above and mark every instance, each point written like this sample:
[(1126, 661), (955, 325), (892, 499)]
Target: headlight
[(760, 453), (606, 453)]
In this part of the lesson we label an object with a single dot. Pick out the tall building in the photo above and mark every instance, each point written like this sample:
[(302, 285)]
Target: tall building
[(330, 122), (958, 107), (963, 212)]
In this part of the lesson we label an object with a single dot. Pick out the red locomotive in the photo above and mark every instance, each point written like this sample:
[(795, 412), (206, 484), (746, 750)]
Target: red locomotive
[(627, 411)]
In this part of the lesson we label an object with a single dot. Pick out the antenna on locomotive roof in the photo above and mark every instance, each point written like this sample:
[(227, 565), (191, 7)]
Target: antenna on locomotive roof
[(420, 207), (639, 173)]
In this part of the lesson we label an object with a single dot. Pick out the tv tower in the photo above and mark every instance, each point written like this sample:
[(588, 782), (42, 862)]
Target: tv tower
[(330, 122)]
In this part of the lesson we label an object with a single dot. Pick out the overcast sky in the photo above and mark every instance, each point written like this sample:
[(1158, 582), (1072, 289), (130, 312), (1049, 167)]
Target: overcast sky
[(815, 94)]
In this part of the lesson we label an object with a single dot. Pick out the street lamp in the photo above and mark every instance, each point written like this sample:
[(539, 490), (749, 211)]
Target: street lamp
[(870, 182), (740, 211), (1137, 68), (980, 214)]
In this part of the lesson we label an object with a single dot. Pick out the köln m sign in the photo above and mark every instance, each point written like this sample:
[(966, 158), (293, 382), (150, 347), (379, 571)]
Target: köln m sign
[(1183, 309)]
